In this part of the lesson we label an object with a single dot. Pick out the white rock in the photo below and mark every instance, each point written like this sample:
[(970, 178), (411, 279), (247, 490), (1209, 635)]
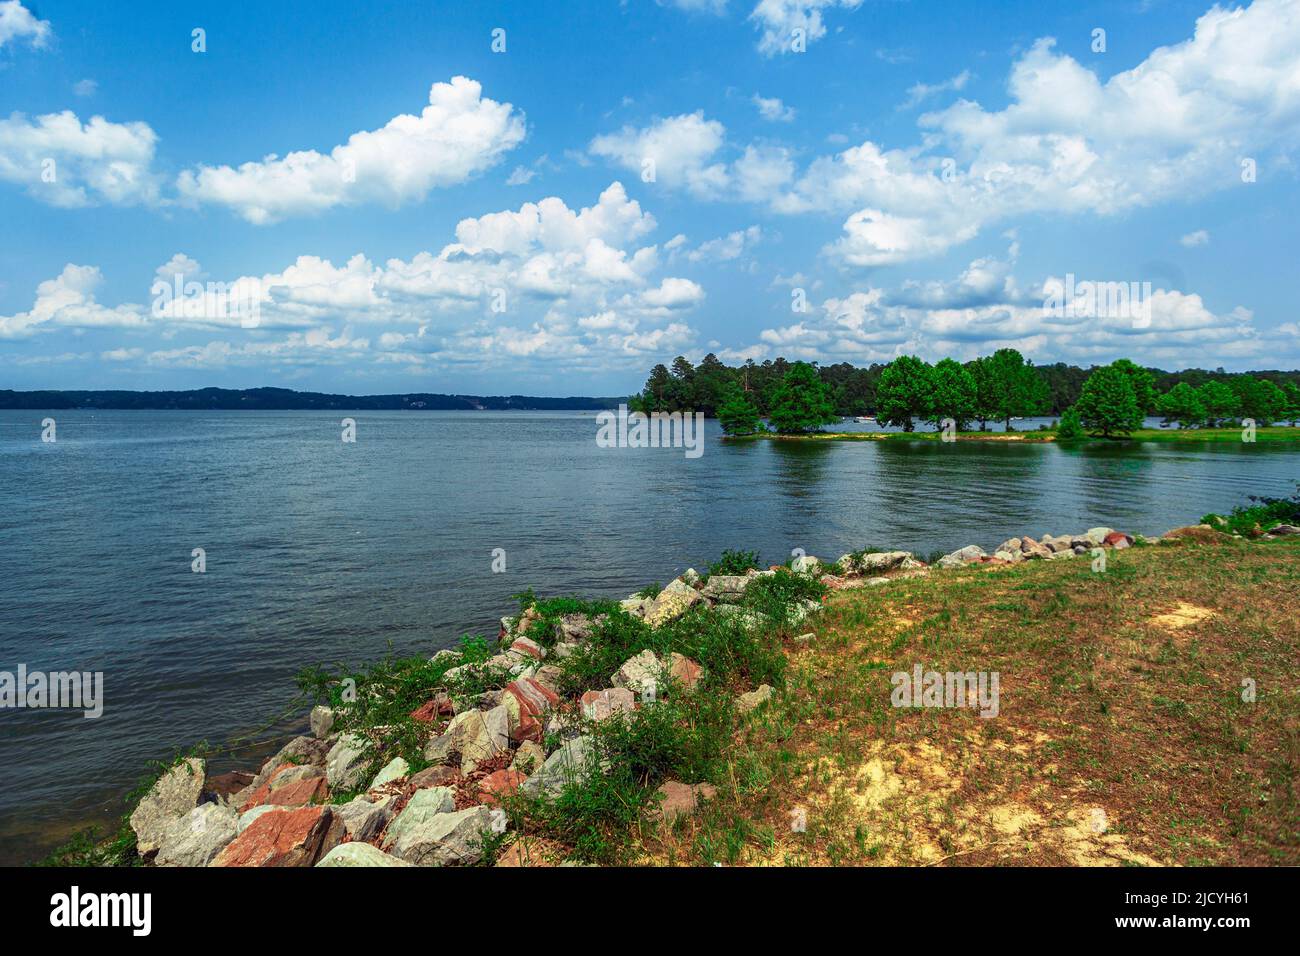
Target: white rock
[(360, 854)]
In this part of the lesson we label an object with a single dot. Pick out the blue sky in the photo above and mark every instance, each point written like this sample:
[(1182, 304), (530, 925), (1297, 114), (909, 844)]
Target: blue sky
[(399, 207)]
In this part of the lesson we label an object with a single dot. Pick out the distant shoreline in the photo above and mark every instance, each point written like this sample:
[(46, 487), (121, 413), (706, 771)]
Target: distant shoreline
[(284, 399)]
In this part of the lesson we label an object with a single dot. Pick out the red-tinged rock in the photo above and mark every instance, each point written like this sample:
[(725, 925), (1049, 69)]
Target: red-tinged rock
[(533, 697), (299, 794), (530, 728), (285, 838), (603, 704), (498, 784), (528, 647), (432, 709), (1117, 539), (684, 672), (258, 796)]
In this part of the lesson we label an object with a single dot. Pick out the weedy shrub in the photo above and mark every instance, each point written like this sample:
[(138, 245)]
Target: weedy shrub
[(1266, 513), (376, 701), (778, 594), (734, 562)]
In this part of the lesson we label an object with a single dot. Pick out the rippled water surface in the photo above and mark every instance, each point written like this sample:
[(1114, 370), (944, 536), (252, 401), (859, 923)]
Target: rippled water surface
[(319, 550)]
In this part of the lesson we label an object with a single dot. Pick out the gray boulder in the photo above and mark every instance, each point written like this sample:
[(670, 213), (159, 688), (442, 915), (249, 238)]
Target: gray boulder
[(364, 818), (439, 839), (170, 799), (725, 588), (879, 562), (639, 671), (359, 854), (754, 699), (345, 764), (475, 735), (574, 760), (322, 721), (395, 769), (805, 564), (962, 556), (196, 838)]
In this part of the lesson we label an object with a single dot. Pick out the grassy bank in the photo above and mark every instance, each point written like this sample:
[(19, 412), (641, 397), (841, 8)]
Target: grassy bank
[(1122, 736), (1272, 433)]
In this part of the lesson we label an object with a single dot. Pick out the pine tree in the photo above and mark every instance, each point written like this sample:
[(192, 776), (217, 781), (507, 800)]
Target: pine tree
[(737, 414), (802, 402)]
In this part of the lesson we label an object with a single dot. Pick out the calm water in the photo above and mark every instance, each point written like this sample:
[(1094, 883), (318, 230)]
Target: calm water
[(323, 551)]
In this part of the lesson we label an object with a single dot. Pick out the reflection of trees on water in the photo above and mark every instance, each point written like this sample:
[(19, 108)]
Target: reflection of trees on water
[(924, 485)]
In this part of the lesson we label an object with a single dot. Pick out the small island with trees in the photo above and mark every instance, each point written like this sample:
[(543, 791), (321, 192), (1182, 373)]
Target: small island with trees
[(780, 399)]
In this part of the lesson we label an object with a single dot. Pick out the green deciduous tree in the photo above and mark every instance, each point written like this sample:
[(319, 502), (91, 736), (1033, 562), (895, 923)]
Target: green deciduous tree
[(1069, 428), (1016, 388), (952, 394), (1260, 399), (1144, 384), (802, 402), (1182, 404), (1107, 405), (1220, 402), (904, 392)]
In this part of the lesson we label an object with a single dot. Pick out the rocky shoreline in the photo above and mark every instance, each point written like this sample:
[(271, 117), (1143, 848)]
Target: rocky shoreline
[(515, 726)]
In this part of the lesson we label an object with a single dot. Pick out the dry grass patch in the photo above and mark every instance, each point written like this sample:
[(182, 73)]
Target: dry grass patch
[(1122, 738)]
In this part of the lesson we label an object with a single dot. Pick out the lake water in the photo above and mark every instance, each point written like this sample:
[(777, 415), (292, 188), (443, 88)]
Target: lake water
[(320, 551)]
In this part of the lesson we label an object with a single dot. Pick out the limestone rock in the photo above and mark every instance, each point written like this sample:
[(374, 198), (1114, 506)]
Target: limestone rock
[(755, 698), (603, 704), (440, 839), (878, 562), (170, 799), (364, 817), (424, 805), (725, 588), (196, 838), (476, 735), (639, 672), (360, 854), (345, 764), (574, 760), (528, 758), (395, 769), (671, 603), (962, 556), (321, 721)]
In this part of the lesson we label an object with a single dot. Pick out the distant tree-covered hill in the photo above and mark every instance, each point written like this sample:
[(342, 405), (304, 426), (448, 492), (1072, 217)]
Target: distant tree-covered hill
[(225, 399)]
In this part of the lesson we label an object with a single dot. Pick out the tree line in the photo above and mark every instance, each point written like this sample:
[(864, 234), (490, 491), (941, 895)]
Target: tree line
[(1108, 400)]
